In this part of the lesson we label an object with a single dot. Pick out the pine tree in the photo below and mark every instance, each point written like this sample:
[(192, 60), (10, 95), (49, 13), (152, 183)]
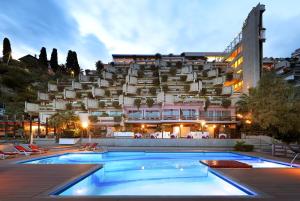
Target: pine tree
[(6, 50), (69, 62), (76, 66), (53, 60), (43, 57), (99, 66), (72, 63)]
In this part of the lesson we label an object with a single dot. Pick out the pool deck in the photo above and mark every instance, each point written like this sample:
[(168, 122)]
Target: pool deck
[(35, 182)]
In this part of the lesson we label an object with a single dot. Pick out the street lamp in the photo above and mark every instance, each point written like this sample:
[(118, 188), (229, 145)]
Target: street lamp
[(202, 123), (84, 125)]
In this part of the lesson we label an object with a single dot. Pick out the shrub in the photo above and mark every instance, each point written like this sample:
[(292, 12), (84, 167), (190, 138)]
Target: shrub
[(117, 118), (178, 64), (150, 102), (70, 133), (140, 73), (69, 106), (226, 103), (165, 88), (242, 146), (164, 78), (90, 95), (183, 78), (116, 104), (93, 119), (137, 102), (186, 88), (173, 71), (152, 91), (218, 91), (229, 76), (156, 81), (78, 95), (204, 73), (138, 91), (107, 93), (101, 104)]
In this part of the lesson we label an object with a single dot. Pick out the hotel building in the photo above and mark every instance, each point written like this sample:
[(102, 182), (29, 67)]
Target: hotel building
[(153, 93)]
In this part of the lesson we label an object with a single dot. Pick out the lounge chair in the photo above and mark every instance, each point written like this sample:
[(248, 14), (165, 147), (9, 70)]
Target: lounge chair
[(93, 147), (37, 148), (84, 147), (5, 154), (25, 151)]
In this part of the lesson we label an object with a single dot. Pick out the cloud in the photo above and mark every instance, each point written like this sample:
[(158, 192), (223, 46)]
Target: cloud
[(96, 29)]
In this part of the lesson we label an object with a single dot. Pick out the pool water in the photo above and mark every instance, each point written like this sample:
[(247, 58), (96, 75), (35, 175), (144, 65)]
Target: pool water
[(154, 174)]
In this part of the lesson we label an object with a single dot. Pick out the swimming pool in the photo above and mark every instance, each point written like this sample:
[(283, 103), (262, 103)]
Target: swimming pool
[(154, 174)]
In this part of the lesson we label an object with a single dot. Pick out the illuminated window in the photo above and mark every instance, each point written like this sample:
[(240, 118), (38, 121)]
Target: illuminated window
[(238, 62)]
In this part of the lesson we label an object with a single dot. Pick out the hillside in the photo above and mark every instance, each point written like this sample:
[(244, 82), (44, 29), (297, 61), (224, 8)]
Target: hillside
[(19, 82)]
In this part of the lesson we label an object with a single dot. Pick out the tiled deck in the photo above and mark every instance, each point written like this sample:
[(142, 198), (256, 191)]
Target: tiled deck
[(35, 182)]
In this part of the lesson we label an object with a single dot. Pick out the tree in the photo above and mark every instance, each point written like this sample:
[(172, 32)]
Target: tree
[(6, 50), (152, 91), (226, 103), (99, 66), (165, 88), (149, 102), (64, 120), (72, 63), (93, 119), (53, 60), (43, 57), (274, 107), (137, 102)]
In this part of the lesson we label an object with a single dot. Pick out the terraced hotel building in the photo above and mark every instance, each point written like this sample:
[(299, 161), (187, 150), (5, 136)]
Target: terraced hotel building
[(176, 93)]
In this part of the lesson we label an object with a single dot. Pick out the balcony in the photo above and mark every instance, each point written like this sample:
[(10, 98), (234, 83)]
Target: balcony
[(102, 83), (106, 75), (162, 97), (76, 85), (31, 107), (218, 80), (187, 70), (84, 78), (131, 80), (52, 87), (227, 90), (196, 86), (98, 92), (129, 89), (59, 104), (212, 73), (191, 77), (91, 103), (43, 96), (69, 94), (126, 101)]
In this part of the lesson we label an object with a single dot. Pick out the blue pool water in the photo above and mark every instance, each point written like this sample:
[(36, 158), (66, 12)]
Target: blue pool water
[(146, 174)]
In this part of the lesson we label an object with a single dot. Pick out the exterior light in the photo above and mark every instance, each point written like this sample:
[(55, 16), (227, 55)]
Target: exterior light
[(84, 124), (181, 125), (143, 126), (214, 126), (202, 122), (248, 121), (239, 116)]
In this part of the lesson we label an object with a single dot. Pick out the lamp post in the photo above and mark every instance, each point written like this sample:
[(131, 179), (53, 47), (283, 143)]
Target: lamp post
[(84, 125), (202, 123)]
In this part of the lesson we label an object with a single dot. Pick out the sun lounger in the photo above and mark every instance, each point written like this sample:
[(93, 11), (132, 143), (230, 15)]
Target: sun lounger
[(93, 147), (37, 148), (4, 154), (25, 151), (84, 147)]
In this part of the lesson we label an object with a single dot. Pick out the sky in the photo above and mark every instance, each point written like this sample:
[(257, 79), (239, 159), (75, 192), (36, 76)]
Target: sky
[(95, 29)]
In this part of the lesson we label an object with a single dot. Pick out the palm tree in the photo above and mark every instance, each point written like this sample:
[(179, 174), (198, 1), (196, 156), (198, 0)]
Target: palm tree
[(243, 104)]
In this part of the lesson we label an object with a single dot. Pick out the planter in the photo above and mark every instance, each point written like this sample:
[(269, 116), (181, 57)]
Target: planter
[(68, 140)]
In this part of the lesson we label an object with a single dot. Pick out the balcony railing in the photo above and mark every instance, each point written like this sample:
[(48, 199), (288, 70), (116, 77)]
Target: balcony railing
[(183, 118)]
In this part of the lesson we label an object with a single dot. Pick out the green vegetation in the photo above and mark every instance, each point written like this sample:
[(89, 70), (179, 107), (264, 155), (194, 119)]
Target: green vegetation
[(165, 88), (226, 103), (152, 91), (273, 106), (164, 78), (149, 102), (137, 102), (6, 50), (186, 88), (242, 146), (43, 57)]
